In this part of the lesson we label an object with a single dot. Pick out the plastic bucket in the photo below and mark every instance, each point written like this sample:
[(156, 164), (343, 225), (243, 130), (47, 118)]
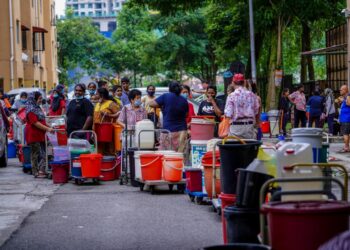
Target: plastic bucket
[(60, 171), (265, 127), (27, 154), (11, 150), (76, 168), (193, 180), (243, 225), (62, 138), (132, 165), (172, 168), (311, 136), (264, 117), (117, 131), (91, 165), (110, 168), (198, 149), (207, 162), (104, 132), (273, 115), (202, 128), (234, 155), (151, 166), (305, 225), (138, 175), (249, 184), (238, 246), (226, 200), (60, 153)]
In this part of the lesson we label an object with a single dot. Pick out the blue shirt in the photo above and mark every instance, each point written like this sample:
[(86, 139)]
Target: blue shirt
[(344, 112), (316, 105), (175, 109), (124, 98)]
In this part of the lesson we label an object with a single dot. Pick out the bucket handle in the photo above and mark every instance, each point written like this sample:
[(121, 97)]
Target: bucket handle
[(233, 137), (169, 166), (103, 117), (150, 163), (117, 162)]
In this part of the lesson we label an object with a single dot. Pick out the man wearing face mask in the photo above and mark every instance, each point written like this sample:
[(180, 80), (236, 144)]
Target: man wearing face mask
[(21, 103), (79, 111), (152, 113)]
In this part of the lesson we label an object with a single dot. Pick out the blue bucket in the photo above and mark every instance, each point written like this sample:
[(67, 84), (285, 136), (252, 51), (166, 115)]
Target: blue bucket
[(26, 154), (11, 150), (75, 169), (264, 117)]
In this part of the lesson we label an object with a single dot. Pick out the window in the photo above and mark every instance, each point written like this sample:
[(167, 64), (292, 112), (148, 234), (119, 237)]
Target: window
[(98, 5), (117, 4), (98, 13), (75, 6), (112, 26), (24, 39), (82, 13), (76, 13), (90, 5), (17, 31), (38, 41), (91, 13), (82, 5)]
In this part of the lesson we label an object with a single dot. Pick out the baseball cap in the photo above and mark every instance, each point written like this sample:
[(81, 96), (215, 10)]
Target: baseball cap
[(238, 78)]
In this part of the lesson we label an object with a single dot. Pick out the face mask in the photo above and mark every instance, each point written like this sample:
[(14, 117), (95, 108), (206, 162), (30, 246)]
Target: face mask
[(55, 95), (150, 93), (184, 95), (111, 93), (79, 97), (62, 91), (137, 103), (92, 92), (23, 101)]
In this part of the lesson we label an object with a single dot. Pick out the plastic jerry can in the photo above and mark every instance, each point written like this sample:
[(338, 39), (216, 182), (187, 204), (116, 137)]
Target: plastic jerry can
[(144, 134)]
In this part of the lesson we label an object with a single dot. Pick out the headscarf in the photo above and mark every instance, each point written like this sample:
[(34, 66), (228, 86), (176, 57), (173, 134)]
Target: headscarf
[(329, 94), (33, 107), (57, 100)]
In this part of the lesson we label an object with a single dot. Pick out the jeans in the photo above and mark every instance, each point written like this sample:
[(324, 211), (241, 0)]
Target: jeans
[(315, 119), (330, 121), (299, 116)]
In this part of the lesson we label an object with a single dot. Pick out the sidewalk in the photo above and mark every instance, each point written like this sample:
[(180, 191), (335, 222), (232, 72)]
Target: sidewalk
[(20, 195)]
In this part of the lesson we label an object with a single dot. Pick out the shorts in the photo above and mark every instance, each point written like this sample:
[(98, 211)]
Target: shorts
[(345, 128)]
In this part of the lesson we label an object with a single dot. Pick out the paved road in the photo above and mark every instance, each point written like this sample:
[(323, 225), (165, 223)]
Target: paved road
[(111, 216)]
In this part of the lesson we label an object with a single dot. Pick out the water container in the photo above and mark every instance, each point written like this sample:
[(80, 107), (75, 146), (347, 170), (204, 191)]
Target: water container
[(146, 138), (202, 128), (198, 149), (273, 115), (313, 136), (264, 117), (137, 154)]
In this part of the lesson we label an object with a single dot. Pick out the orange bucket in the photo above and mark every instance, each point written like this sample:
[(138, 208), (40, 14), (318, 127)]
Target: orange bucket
[(151, 167), (117, 137), (207, 162), (91, 165), (104, 132), (172, 168)]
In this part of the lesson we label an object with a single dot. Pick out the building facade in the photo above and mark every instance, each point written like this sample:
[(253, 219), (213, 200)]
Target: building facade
[(28, 47), (103, 12)]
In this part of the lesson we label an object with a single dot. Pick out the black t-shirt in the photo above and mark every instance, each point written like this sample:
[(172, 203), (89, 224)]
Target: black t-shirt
[(77, 113), (206, 108), (284, 104)]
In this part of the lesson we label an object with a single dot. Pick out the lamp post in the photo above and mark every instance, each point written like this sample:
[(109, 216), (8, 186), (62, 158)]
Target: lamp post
[(252, 39)]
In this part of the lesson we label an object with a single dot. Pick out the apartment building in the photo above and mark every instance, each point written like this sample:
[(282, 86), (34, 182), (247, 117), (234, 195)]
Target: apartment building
[(103, 12), (28, 47)]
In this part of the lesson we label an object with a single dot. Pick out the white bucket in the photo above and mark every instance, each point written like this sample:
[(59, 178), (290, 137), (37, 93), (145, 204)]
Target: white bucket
[(198, 149), (138, 175), (274, 127), (312, 136), (273, 115)]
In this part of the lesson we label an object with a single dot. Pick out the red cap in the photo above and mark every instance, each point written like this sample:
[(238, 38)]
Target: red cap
[(238, 78)]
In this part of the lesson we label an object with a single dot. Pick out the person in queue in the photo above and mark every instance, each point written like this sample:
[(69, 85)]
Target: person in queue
[(102, 84), (316, 103), (125, 95), (152, 114), (330, 109), (35, 133), (284, 108), (344, 117), (79, 111), (203, 91), (174, 108), (185, 93), (242, 107), (117, 94), (21, 103), (92, 93), (57, 102), (106, 111), (252, 86), (299, 100), (133, 112)]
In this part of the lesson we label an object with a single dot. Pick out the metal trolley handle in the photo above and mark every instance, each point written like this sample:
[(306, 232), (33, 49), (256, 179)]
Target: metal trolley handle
[(86, 131)]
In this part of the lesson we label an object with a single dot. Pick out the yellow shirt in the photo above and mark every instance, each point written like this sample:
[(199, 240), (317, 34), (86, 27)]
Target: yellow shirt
[(146, 100)]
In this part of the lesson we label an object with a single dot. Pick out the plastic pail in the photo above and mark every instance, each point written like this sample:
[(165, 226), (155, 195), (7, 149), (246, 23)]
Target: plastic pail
[(273, 115), (172, 168), (238, 246), (27, 154), (60, 171), (305, 225), (198, 149), (11, 150), (151, 166), (243, 225), (76, 168), (110, 168), (207, 162), (62, 138), (104, 132), (193, 179), (234, 155), (91, 165), (117, 130), (265, 127), (226, 200), (264, 117), (202, 128), (249, 184), (138, 175), (312, 136)]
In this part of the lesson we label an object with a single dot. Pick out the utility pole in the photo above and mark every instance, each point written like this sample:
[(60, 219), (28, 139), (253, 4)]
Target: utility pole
[(252, 39)]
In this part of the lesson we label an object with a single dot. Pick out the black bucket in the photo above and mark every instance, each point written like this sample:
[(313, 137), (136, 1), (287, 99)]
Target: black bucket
[(241, 246), (249, 184), (242, 225), (234, 155)]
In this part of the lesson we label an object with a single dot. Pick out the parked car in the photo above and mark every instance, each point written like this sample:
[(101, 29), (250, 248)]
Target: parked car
[(3, 143)]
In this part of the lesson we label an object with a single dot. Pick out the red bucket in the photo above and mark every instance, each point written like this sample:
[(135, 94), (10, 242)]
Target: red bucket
[(202, 127), (265, 127), (110, 168), (194, 180), (104, 132), (226, 200), (60, 172), (62, 137), (151, 167), (91, 165)]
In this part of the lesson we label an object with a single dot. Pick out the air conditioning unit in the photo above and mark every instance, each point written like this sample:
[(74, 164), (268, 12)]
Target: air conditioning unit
[(36, 59)]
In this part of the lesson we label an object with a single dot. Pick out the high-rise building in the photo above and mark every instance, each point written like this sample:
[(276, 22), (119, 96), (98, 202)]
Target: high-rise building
[(103, 12), (28, 47)]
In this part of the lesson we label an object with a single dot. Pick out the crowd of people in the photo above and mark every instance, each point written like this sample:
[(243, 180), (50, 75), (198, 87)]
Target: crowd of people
[(100, 103)]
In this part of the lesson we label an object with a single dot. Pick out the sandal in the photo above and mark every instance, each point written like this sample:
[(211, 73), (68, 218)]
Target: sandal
[(344, 150)]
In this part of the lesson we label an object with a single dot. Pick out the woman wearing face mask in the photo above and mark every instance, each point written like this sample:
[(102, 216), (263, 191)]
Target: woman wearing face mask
[(152, 114), (185, 93), (79, 111), (117, 94), (21, 103), (212, 106), (35, 133), (58, 102), (106, 111), (92, 93), (133, 112)]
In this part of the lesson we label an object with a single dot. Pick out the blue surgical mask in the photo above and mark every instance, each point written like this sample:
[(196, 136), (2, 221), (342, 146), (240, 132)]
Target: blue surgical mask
[(23, 101), (184, 95), (79, 97), (55, 95), (92, 92), (137, 103)]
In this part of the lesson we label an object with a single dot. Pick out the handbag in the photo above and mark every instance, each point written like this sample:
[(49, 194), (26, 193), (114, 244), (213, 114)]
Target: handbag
[(224, 127)]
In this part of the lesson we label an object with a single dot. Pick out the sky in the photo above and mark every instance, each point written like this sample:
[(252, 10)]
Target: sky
[(60, 6)]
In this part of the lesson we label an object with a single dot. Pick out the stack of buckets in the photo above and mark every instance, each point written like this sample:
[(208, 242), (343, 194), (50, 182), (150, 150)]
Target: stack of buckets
[(265, 124), (110, 168)]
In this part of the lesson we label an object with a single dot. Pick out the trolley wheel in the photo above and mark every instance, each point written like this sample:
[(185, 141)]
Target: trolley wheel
[(49, 176), (96, 181), (181, 188), (25, 170), (171, 187), (142, 186), (78, 181), (198, 200), (152, 189), (191, 197)]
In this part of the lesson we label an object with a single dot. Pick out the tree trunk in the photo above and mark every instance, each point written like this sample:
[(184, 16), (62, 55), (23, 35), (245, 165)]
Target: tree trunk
[(271, 91), (279, 43), (307, 65)]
